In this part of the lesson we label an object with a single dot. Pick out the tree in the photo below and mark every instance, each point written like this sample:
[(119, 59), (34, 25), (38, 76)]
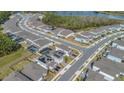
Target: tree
[(76, 22), (66, 59), (4, 16), (7, 46)]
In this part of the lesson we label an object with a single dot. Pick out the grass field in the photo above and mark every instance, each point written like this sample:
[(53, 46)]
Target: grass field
[(67, 59), (19, 66), (13, 57), (5, 73), (7, 61), (121, 78)]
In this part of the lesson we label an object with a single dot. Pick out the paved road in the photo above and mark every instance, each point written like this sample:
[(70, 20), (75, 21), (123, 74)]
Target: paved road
[(77, 65), (23, 26)]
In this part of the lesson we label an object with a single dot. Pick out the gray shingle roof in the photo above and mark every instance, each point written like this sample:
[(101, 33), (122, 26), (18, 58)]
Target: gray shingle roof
[(34, 71), (120, 42), (95, 76), (110, 67), (66, 48), (66, 32), (117, 52), (16, 76)]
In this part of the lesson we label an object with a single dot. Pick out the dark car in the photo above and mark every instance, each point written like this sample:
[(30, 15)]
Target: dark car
[(33, 48), (45, 50), (19, 39), (8, 34), (58, 67)]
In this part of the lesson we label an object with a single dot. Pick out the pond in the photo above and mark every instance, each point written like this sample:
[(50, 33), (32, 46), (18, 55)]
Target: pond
[(88, 13)]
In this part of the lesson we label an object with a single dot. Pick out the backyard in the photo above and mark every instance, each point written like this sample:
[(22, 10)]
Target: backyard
[(7, 61)]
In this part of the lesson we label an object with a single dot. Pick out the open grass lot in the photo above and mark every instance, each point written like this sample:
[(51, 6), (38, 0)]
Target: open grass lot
[(13, 57), (5, 73), (7, 61), (121, 78), (19, 66)]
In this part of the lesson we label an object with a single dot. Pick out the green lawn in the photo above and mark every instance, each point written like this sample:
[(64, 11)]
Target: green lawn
[(5, 73), (67, 59), (121, 78), (7, 61), (12, 57), (20, 65)]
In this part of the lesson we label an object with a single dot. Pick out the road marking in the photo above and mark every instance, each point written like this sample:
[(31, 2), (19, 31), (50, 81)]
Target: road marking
[(33, 42), (65, 69), (38, 39), (17, 32)]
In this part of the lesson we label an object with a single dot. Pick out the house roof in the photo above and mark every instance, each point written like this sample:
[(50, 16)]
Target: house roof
[(66, 32), (99, 30), (48, 60), (88, 35), (117, 52), (109, 67), (82, 37), (94, 76), (42, 42), (63, 47), (120, 42), (55, 31), (58, 31), (16, 76), (34, 71), (58, 54), (104, 28)]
